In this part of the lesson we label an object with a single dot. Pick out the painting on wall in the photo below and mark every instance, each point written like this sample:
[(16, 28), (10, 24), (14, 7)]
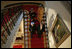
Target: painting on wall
[(60, 32)]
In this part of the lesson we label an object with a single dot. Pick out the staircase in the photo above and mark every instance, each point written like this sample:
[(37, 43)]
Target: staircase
[(37, 42)]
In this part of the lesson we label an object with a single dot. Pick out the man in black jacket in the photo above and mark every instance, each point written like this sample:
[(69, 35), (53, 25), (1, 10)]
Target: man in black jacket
[(32, 28), (41, 29)]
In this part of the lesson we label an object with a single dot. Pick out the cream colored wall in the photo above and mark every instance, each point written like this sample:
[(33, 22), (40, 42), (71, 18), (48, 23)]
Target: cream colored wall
[(61, 10), (64, 14), (21, 27), (51, 39), (50, 13), (4, 3)]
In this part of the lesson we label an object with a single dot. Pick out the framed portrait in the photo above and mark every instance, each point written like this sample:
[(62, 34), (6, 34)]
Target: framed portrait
[(60, 32)]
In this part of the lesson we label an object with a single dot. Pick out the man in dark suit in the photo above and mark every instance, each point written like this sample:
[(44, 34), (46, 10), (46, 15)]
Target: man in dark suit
[(32, 28), (41, 29)]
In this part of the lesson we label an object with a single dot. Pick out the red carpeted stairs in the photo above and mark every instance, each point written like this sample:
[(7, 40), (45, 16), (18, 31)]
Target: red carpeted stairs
[(17, 46), (37, 42)]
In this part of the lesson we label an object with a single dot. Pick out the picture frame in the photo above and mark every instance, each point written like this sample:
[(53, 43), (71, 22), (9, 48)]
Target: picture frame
[(60, 32)]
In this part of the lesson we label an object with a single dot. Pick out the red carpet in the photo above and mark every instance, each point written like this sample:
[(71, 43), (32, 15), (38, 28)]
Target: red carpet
[(17, 46), (37, 42)]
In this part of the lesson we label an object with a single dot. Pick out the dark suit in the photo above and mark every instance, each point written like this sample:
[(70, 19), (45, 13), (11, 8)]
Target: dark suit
[(32, 29), (40, 31)]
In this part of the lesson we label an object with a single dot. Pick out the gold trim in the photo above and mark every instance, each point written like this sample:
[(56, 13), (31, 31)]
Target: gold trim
[(62, 40)]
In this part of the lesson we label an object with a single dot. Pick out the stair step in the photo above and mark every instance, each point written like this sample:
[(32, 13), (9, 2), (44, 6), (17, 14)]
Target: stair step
[(37, 42)]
